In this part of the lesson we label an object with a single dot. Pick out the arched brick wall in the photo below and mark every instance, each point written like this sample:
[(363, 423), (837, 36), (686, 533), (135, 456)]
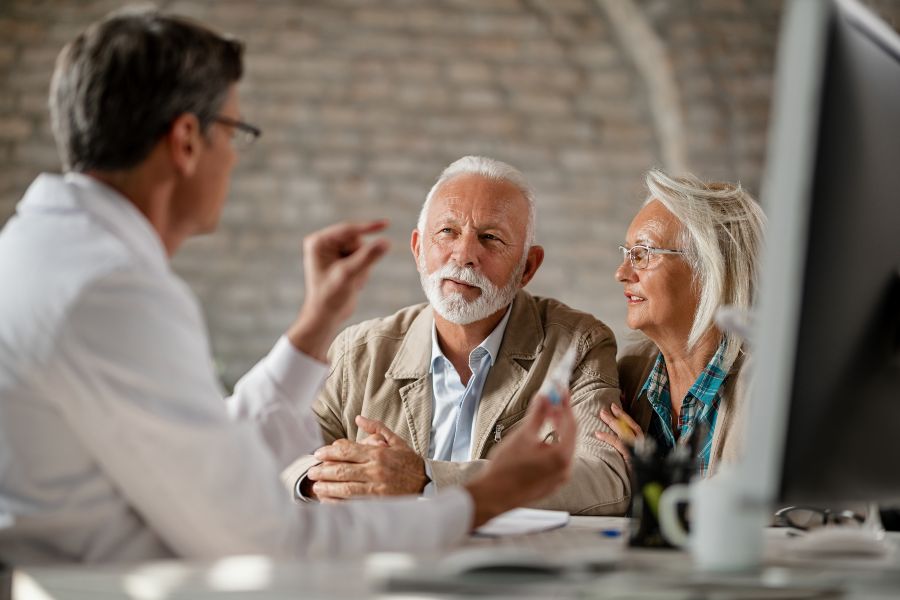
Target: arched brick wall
[(364, 102)]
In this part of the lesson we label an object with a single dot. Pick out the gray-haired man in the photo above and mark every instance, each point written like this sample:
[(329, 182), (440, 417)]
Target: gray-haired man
[(415, 401)]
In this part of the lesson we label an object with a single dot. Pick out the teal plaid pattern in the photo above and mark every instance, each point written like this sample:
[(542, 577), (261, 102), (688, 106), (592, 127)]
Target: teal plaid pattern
[(699, 408)]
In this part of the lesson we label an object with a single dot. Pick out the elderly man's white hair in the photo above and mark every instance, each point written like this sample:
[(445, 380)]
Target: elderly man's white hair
[(489, 169), (722, 235)]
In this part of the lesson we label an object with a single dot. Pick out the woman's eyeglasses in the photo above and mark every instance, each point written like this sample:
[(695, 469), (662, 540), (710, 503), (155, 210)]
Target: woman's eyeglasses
[(639, 254), (244, 133)]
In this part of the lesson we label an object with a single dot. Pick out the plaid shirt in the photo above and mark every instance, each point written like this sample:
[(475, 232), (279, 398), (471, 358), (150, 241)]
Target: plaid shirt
[(700, 407)]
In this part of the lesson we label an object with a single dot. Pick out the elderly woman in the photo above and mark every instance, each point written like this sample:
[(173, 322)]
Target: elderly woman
[(691, 249)]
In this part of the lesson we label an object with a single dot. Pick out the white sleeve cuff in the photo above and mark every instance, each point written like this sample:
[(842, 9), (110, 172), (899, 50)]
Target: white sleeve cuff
[(298, 494), (430, 489), (297, 375)]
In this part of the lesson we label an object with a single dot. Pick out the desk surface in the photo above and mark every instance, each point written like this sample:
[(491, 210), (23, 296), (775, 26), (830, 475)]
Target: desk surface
[(657, 574)]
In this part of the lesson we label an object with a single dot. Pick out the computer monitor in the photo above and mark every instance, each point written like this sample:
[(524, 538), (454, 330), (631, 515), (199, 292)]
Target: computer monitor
[(824, 424)]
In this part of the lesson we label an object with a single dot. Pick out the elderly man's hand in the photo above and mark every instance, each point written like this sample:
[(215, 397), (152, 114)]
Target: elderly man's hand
[(382, 465), (336, 263), (525, 467)]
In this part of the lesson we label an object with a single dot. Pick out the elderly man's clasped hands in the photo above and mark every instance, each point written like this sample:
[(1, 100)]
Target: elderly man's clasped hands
[(382, 464)]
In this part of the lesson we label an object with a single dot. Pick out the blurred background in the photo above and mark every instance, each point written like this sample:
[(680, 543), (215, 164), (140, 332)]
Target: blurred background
[(364, 102)]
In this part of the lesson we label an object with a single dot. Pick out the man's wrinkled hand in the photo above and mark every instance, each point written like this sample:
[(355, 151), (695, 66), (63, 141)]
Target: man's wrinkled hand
[(381, 465)]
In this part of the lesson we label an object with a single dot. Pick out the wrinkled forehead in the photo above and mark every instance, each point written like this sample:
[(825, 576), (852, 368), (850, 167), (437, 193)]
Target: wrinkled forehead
[(654, 225), (480, 200)]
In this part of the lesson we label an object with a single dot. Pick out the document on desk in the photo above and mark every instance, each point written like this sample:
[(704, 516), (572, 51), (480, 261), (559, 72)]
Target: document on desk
[(520, 521)]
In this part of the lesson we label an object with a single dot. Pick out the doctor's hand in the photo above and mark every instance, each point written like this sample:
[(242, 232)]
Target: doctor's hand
[(625, 431), (382, 465), (336, 263), (524, 467)]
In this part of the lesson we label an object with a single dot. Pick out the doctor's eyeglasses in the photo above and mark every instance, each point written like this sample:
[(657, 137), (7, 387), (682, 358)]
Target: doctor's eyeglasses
[(244, 134)]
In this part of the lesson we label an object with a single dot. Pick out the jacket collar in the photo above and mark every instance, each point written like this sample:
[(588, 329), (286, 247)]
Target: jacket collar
[(524, 337), (522, 341), (413, 359)]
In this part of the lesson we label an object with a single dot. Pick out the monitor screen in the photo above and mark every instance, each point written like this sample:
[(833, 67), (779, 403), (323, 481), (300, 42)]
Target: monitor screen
[(825, 403)]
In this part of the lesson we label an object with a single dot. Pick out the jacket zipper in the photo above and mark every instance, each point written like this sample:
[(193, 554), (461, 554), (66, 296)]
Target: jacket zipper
[(498, 431)]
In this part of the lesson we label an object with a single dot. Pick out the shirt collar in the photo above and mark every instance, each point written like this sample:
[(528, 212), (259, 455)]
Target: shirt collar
[(703, 389), (710, 380), (116, 213), (491, 343), (656, 382)]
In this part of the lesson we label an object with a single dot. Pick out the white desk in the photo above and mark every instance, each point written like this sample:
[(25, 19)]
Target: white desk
[(658, 574)]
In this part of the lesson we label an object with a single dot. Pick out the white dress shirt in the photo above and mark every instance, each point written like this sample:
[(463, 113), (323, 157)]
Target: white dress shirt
[(115, 441)]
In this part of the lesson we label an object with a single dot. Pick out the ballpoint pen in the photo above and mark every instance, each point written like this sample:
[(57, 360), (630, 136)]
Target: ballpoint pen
[(557, 384)]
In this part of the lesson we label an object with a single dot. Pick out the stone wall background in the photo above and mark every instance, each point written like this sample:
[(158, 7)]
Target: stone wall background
[(364, 102)]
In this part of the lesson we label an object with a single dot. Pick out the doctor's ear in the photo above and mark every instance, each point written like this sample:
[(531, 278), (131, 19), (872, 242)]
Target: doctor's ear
[(184, 142)]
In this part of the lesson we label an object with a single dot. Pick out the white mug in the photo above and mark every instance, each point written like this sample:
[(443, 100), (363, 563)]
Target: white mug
[(726, 531)]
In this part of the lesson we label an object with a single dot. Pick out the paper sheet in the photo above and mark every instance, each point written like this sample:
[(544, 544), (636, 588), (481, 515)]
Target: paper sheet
[(523, 520)]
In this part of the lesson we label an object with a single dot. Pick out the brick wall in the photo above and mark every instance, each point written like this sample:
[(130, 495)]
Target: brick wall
[(364, 102)]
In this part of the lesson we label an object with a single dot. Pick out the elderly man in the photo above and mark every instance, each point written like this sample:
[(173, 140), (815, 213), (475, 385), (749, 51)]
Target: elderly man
[(427, 392), (115, 442)]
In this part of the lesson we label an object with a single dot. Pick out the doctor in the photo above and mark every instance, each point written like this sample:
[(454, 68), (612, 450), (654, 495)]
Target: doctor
[(115, 442)]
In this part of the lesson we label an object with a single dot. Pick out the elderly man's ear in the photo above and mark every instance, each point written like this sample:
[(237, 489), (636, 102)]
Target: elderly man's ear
[(184, 144), (415, 241), (534, 260)]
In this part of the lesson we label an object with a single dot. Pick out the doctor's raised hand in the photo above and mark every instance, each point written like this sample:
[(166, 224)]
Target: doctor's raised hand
[(336, 264)]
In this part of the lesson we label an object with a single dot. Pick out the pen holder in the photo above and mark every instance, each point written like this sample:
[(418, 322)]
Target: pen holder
[(652, 472)]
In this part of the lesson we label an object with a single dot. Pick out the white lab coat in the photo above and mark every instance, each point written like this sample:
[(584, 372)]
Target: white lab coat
[(115, 441)]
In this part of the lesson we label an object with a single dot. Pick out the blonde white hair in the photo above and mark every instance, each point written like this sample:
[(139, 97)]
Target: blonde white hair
[(490, 169), (722, 235)]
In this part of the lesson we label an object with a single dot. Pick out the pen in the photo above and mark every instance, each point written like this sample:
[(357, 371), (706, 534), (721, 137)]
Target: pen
[(610, 533), (558, 381), (626, 433)]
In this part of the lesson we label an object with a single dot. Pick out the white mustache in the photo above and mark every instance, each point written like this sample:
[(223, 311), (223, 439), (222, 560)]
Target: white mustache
[(467, 275)]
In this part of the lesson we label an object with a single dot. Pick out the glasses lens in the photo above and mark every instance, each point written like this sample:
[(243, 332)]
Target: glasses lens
[(846, 518), (804, 518), (640, 256), (243, 138)]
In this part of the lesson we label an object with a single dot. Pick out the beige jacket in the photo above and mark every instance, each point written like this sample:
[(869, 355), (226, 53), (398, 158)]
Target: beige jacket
[(635, 365), (380, 369)]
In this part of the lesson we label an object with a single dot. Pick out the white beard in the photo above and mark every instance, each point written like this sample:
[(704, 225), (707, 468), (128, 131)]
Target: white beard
[(453, 306)]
